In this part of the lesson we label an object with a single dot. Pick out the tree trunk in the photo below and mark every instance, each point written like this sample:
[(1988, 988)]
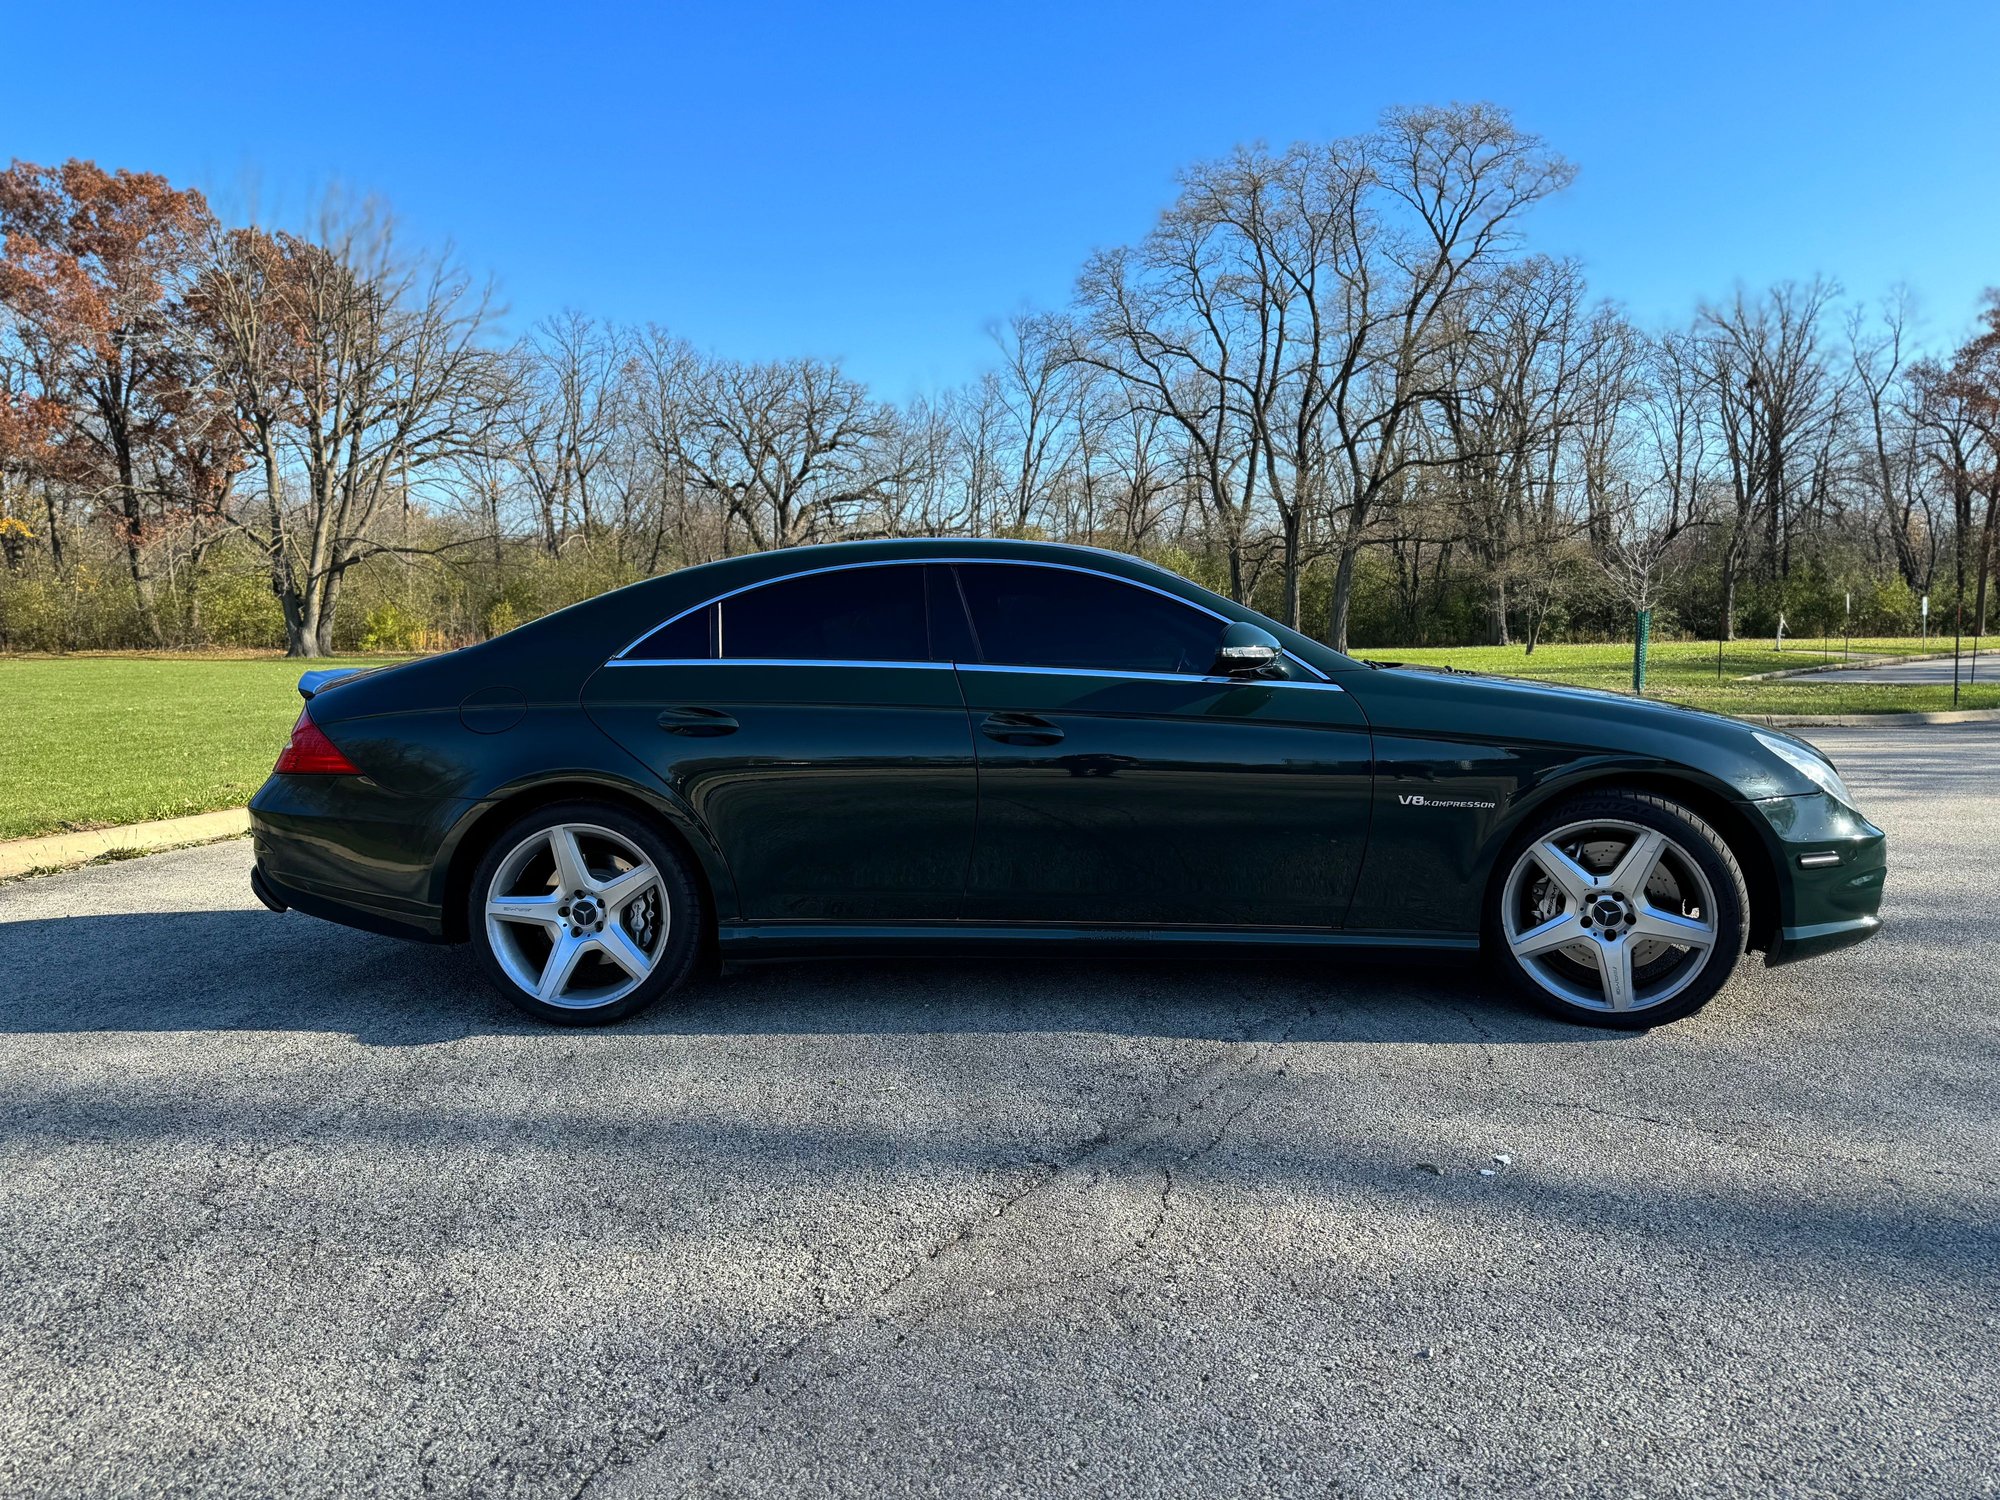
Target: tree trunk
[(132, 525), (55, 529), (1986, 539), (1729, 596), (1291, 601), (323, 636), (1343, 592)]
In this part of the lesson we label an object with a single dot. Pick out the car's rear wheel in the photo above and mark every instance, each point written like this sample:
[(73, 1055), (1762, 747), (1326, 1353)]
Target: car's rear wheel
[(584, 914), (1619, 909)]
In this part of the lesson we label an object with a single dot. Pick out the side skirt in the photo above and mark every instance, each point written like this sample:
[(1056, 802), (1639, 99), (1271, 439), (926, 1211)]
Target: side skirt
[(749, 941)]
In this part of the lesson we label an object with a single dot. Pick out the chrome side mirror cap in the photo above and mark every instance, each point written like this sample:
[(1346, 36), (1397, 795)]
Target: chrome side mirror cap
[(1246, 651)]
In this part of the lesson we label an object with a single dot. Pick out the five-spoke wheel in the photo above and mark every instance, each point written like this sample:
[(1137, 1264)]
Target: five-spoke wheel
[(1622, 909), (585, 912)]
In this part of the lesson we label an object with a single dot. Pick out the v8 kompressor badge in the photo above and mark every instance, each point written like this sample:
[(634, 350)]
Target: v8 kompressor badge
[(1418, 799)]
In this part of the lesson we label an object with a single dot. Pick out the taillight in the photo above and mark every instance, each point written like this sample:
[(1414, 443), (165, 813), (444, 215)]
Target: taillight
[(311, 753)]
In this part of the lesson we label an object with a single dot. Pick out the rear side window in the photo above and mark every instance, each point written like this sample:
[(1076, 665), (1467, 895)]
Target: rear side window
[(1052, 617), (853, 614), (690, 638)]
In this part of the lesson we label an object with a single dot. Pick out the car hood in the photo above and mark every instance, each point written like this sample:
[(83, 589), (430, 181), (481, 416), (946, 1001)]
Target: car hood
[(1414, 700)]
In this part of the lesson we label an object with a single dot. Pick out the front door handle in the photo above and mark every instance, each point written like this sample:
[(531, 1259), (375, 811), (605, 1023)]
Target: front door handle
[(1020, 729), (702, 723)]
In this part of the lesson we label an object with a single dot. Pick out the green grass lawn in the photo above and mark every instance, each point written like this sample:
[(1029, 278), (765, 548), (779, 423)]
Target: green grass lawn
[(1685, 672), (87, 741)]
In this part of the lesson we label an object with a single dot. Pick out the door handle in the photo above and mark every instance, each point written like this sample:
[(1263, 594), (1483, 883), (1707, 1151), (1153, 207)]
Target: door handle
[(702, 723), (1020, 729)]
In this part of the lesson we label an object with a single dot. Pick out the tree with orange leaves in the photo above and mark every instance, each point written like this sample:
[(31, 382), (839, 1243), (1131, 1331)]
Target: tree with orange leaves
[(93, 269)]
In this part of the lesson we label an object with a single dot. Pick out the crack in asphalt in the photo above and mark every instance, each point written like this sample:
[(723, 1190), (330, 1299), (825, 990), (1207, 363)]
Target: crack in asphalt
[(1242, 1064)]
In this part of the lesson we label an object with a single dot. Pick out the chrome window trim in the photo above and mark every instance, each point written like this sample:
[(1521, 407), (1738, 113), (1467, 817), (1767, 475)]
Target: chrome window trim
[(622, 658), (987, 666), (769, 661), (969, 666)]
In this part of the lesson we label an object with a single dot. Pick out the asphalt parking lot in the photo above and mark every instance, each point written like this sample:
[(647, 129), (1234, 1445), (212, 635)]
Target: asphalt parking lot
[(1972, 667), (292, 1210)]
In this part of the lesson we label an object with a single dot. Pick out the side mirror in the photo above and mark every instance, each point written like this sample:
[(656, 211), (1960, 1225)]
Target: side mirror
[(1246, 651)]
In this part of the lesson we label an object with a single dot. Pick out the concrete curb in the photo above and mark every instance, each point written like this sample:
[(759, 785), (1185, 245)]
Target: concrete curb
[(1865, 721), (64, 851)]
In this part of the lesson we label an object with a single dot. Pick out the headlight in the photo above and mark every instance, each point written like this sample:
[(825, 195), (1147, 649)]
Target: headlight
[(1808, 765)]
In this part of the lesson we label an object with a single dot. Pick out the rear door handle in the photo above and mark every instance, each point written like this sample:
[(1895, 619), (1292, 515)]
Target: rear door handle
[(1020, 729), (702, 723)]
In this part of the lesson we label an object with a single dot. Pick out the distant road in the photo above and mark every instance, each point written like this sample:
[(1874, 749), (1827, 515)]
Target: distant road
[(1917, 673)]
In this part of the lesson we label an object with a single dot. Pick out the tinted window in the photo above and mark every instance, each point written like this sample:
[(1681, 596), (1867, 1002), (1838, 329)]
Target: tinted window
[(684, 639), (854, 614), (1052, 617), (951, 636)]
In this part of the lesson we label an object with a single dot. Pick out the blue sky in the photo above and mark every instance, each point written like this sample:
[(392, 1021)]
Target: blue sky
[(879, 182)]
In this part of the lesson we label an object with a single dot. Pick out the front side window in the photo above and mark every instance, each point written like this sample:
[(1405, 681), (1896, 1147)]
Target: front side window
[(1055, 617), (851, 614)]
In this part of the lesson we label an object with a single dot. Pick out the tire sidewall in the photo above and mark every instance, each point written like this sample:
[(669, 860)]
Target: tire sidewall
[(686, 924), (1696, 838)]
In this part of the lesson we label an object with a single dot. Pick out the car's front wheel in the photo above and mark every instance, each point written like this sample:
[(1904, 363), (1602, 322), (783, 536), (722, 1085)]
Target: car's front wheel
[(584, 914), (1619, 909)]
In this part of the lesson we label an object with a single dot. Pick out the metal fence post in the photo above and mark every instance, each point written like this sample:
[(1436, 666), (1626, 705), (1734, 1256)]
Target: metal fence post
[(1643, 636), (1957, 645)]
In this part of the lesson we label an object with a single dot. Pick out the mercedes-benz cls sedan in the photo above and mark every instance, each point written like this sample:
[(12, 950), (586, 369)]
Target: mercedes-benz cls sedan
[(1015, 747)]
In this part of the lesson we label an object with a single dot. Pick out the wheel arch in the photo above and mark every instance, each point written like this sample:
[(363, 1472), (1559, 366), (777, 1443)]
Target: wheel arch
[(475, 834), (1707, 802)]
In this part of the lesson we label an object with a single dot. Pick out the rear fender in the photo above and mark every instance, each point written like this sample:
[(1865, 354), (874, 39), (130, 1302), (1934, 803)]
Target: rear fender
[(470, 836)]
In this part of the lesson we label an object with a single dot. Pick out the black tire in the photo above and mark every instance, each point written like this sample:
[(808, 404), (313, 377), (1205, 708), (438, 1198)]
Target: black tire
[(1696, 855), (675, 953)]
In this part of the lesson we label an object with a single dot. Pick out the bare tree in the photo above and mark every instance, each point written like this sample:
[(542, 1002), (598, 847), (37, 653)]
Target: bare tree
[(1452, 184), (796, 450), (358, 373), (1881, 377), (562, 418), (1776, 394)]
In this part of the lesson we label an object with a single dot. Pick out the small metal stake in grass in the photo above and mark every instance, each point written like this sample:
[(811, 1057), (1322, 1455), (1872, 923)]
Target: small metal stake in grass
[(1957, 645)]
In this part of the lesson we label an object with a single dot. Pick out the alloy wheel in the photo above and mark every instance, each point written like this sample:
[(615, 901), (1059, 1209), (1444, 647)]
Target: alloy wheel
[(576, 916), (1609, 915)]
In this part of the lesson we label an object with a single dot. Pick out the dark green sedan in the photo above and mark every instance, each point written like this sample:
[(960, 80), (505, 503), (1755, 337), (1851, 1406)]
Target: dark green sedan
[(924, 746)]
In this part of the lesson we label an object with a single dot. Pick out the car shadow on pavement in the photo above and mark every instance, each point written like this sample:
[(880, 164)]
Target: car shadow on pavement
[(251, 971)]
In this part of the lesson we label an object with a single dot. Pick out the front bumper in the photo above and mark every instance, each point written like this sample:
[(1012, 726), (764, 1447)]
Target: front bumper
[(1831, 863)]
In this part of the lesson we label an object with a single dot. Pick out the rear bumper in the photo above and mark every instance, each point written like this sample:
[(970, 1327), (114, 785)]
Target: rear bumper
[(341, 849), (344, 909)]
